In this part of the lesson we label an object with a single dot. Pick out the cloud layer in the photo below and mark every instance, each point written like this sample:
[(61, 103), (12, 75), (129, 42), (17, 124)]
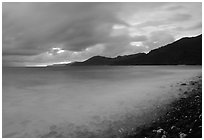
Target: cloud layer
[(82, 30)]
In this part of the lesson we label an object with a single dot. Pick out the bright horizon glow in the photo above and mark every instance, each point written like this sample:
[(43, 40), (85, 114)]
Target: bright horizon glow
[(138, 44), (45, 65), (55, 51), (38, 65), (117, 26)]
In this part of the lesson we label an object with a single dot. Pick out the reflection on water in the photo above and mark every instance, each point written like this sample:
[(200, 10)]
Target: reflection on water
[(84, 101)]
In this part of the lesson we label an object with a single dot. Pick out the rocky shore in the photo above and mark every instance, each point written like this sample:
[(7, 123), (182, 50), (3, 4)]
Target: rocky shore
[(183, 118)]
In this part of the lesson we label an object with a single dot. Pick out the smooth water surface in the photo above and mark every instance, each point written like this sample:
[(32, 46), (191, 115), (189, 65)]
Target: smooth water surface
[(84, 101)]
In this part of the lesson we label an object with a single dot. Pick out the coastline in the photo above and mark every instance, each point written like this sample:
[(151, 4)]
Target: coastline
[(181, 119), (132, 112)]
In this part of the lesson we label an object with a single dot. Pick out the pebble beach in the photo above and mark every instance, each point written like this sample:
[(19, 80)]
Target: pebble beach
[(182, 118)]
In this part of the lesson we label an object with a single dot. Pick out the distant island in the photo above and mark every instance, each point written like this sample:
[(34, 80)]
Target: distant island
[(186, 51)]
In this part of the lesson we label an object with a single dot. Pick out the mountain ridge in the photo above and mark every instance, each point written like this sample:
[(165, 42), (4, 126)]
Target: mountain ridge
[(185, 51)]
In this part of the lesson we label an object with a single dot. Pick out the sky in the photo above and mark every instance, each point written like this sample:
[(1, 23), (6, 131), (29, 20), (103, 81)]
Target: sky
[(40, 34)]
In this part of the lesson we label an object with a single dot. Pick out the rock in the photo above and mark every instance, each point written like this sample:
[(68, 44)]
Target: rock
[(190, 131), (182, 135), (193, 90), (173, 127), (121, 130), (192, 83), (164, 133), (159, 131), (196, 96), (163, 136), (154, 131), (185, 92), (183, 84)]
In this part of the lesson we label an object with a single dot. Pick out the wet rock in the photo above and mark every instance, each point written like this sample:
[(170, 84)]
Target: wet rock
[(193, 90), (183, 117), (160, 131), (190, 131), (200, 116), (196, 97), (154, 131), (163, 136), (185, 92), (174, 130), (183, 84), (182, 135)]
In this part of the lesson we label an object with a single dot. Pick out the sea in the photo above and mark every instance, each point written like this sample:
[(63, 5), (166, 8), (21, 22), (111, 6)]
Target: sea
[(86, 101)]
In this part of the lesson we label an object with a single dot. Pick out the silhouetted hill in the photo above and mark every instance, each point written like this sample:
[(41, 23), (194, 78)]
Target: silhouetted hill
[(186, 51), (96, 60)]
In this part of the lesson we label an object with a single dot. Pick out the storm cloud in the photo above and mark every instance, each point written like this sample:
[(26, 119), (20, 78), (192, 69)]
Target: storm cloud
[(48, 33)]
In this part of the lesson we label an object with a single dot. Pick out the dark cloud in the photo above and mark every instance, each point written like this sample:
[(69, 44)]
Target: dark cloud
[(139, 38), (116, 45), (165, 20), (46, 25), (194, 27), (158, 39), (175, 7), (180, 17), (153, 23)]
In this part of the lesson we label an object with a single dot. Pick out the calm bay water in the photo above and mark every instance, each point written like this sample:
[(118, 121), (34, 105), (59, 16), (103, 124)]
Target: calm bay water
[(84, 101)]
